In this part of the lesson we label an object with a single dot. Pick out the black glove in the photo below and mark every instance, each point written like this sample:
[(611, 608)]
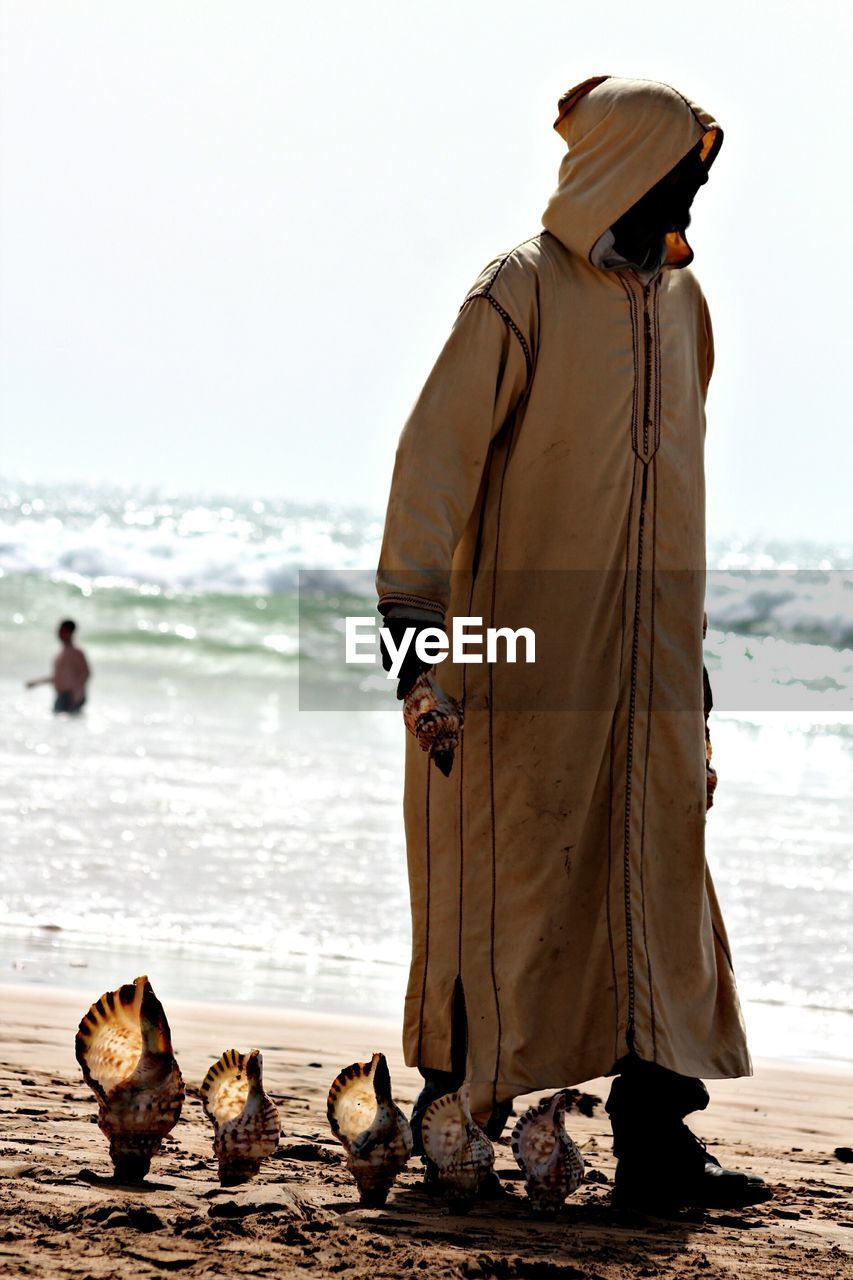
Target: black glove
[(412, 665)]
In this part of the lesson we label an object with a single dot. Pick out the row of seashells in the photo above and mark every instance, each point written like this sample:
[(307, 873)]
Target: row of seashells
[(124, 1048), (378, 1141)]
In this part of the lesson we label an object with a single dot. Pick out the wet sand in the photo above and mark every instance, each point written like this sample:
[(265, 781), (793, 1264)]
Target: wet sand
[(61, 1215)]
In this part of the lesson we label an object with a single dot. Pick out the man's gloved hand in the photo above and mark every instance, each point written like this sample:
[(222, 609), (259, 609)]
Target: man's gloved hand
[(412, 665)]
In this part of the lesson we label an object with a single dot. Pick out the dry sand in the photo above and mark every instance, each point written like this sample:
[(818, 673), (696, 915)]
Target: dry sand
[(61, 1216)]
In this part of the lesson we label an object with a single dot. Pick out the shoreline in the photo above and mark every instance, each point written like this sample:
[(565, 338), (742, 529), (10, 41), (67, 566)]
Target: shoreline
[(300, 1215), (790, 1035)]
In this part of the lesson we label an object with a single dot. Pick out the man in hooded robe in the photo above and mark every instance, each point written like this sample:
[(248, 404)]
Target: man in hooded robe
[(551, 475)]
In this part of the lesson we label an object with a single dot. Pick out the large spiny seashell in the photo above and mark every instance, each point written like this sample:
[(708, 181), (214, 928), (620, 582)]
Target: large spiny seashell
[(125, 1049), (245, 1121), (374, 1131), (435, 718), (552, 1165), (457, 1146)]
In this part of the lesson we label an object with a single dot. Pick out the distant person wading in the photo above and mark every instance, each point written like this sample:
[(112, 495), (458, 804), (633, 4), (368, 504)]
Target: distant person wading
[(71, 672)]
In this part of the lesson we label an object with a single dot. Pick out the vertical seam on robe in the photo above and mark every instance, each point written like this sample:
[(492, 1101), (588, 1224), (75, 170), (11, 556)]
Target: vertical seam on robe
[(475, 564), (657, 359), (646, 761), (607, 896), (612, 742), (426, 922), (494, 899), (635, 347), (496, 1076), (629, 765), (635, 398), (648, 365), (627, 557), (626, 845)]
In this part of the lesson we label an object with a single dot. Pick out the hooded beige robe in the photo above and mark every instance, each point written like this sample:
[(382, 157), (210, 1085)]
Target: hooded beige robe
[(551, 476)]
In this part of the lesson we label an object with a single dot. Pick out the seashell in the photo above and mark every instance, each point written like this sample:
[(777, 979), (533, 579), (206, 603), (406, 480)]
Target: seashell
[(552, 1164), (372, 1128), (462, 1153), (245, 1121), (435, 718), (124, 1047)]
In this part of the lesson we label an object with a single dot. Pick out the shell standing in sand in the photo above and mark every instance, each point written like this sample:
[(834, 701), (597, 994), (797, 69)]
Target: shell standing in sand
[(457, 1146), (245, 1121), (372, 1128), (435, 718), (552, 1165), (125, 1050)]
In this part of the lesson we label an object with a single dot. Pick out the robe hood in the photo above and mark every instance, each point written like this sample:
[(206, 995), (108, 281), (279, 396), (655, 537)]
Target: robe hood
[(623, 136)]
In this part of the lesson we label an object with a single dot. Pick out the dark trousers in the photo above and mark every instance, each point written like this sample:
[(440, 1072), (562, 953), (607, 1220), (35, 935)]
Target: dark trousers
[(647, 1104), (437, 1083)]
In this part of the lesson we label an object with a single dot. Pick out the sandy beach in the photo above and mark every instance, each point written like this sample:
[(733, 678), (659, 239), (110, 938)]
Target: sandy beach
[(63, 1217)]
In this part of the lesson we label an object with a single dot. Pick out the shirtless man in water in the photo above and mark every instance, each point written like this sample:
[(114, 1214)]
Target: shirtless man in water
[(70, 672)]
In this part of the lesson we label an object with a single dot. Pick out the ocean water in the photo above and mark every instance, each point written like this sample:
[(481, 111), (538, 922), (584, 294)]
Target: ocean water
[(193, 823)]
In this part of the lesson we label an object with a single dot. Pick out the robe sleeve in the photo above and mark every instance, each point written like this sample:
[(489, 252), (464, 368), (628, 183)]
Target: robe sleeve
[(475, 385)]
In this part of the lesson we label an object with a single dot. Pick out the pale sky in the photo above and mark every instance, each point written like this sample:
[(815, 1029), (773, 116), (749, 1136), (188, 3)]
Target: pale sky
[(233, 236)]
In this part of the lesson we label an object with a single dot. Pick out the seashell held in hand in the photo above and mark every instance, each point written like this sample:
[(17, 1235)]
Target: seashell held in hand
[(435, 718), (552, 1165), (462, 1153), (245, 1121), (124, 1047), (372, 1128)]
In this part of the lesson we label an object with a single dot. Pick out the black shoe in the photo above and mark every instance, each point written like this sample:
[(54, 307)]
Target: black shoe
[(683, 1175), (661, 1164)]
